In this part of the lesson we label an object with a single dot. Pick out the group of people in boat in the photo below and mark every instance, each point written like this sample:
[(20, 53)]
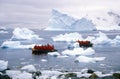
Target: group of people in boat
[(85, 43), (44, 47)]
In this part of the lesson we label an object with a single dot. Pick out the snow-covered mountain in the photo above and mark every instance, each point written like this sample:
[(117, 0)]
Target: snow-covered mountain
[(106, 20), (60, 21)]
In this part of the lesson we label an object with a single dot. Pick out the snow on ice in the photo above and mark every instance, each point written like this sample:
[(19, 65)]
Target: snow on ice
[(25, 33), (3, 65)]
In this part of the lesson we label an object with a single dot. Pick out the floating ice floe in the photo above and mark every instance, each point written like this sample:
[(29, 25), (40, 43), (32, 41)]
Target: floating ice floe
[(68, 37), (3, 65), (24, 33), (15, 45), (28, 68), (43, 60), (54, 53), (79, 51), (2, 31), (86, 59), (62, 56)]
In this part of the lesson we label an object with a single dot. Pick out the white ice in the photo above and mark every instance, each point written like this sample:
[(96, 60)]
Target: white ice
[(2, 31), (102, 38), (13, 73), (99, 39), (48, 73), (18, 74), (28, 68), (86, 59), (68, 37), (116, 41), (16, 45), (100, 74), (25, 33), (44, 60), (3, 65), (54, 53), (78, 51)]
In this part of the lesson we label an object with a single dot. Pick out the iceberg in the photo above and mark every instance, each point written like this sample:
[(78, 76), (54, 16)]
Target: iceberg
[(60, 21), (116, 41), (68, 37), (24, 33), (83, 24), (3, 65), (86, 59), (102, 39), (99, 39), (15, 45)]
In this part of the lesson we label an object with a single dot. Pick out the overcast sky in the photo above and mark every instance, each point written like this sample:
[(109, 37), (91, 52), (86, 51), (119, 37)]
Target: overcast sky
[(36, 13)]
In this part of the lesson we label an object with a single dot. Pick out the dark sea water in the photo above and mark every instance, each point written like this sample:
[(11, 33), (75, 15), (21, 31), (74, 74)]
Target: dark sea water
[(20, 57)]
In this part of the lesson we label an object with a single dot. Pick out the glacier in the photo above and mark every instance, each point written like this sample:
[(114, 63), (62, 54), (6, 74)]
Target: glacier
[(105, 20), (60, 21)]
